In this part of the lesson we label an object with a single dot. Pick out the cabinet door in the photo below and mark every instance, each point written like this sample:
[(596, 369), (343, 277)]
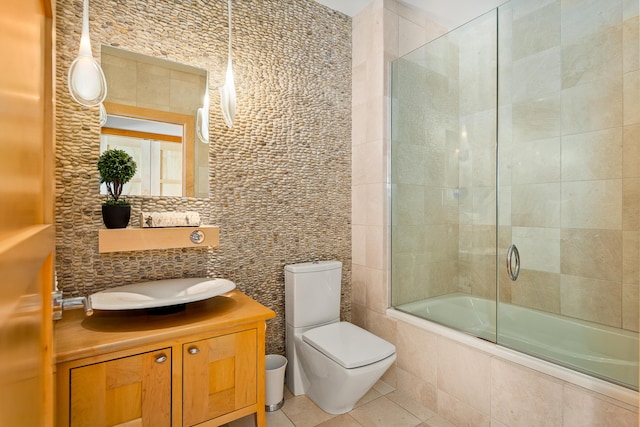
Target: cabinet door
[(219, 376), (132, 391)]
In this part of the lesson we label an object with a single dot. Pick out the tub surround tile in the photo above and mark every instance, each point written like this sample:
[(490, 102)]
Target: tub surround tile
[(417, 352), (592, 106), (592, 204), (631, 91), (591, 253), (520, 396), (581, 18), (536, 205), (603, 413), (463, 373), (592, 155), (595, 56), (630, 257), (460, 413), (630, 33), (537, 75), (538, 290), (630, 304), (416, 388), (595, 300), (539, 248), (536, 162), (631, 204), (537, 30), (631, 151)]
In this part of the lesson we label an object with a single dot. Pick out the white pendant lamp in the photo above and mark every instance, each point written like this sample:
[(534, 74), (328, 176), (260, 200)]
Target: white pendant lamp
[(228, 91), (87, 84)]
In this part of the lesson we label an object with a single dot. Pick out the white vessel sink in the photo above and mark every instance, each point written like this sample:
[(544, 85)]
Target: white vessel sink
[(159, 293)]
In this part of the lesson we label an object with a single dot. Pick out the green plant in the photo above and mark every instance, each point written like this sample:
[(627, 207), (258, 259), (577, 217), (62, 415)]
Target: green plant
[(116, 168)]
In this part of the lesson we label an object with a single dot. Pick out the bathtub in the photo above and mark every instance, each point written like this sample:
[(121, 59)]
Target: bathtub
[(600, 351)]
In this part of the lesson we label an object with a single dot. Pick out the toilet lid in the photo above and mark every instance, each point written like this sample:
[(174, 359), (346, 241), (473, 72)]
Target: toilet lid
[(348, 345)]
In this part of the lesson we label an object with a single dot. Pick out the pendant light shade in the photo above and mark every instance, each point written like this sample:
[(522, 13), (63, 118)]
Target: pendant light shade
[(87, 84), (228, 91)]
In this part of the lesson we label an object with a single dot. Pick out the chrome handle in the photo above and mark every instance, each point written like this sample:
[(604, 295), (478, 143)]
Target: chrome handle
[(193, 350), (162, 358), (513, 252)]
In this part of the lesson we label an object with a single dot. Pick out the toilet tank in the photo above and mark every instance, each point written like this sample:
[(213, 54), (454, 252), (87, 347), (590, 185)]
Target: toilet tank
[(312, 293)]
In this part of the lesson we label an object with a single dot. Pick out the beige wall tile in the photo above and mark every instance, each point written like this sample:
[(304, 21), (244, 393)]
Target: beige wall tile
[(377, 299), (374, 252), (459, 412), (417, 388), (539, 248), (592, 253), (595, 56), (536, 205), (631, 91), (382, 326), (464, 373), (536, 75), (591, 299), (592, 106), (631, 151), (602, 413), (536, 162), (537, 119), (359, 284), (630, 257), (630, 304), (359, 204), (592, 204), (359, 244), (592, 155), (523, 397), (630, 32), (537, 289), (411, 160), (536, 31), (631, 204), (417, 352), (581, 18)]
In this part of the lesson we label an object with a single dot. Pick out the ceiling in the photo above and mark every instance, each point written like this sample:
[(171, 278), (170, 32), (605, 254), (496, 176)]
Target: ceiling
[(450, 13)]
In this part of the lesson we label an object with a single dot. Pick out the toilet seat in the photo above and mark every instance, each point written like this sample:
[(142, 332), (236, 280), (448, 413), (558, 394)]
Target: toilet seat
[(348, 345)]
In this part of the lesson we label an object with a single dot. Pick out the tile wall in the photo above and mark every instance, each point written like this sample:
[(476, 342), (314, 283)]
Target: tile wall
[(463, 384)]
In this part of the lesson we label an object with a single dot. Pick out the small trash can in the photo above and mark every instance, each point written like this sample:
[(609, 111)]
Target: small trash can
[(276, 366)]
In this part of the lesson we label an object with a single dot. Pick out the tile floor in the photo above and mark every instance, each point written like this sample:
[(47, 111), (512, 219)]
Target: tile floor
[(382, 406)]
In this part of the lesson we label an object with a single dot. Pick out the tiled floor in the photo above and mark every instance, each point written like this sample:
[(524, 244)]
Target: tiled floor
[(382, 406)]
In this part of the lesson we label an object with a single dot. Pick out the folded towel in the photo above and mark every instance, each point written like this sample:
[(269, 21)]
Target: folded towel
[(169, 219)]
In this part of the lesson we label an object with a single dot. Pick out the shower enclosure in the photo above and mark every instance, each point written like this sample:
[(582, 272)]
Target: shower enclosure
[(515, 182)]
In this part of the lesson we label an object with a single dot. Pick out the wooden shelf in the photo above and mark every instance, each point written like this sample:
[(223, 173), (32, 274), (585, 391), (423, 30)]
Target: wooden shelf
[(139, 239)]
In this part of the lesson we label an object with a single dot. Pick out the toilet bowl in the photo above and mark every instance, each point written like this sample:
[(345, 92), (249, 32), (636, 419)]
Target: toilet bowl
[(334, 363)]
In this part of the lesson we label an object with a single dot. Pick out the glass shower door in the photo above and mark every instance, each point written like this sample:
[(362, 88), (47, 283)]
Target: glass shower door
[(566, 201), (443, 157)]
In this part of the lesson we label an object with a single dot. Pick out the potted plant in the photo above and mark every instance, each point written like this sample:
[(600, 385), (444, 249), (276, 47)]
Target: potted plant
[(116, 168)]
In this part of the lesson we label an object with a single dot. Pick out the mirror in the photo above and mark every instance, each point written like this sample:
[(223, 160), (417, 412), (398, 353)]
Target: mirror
[(151, 110)]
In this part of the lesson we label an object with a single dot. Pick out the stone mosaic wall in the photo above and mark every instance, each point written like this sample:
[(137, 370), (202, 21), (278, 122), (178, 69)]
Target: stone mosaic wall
[(280, 180)]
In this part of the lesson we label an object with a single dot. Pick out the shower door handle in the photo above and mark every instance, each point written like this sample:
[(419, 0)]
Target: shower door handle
[(513, 253)]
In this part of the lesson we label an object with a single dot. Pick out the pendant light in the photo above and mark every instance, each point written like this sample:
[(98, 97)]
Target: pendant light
[(228, 91), (86, 80)]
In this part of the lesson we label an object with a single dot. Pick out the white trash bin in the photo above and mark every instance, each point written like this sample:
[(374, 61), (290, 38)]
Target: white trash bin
[(276, 366)]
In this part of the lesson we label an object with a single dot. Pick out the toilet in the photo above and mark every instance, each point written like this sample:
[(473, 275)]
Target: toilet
[(334, 363)]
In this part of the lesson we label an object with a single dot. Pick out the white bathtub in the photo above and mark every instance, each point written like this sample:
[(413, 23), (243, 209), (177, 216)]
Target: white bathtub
[(587, 347)]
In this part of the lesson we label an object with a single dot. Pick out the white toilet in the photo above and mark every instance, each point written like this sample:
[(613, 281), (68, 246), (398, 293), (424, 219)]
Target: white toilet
[(334, 363)]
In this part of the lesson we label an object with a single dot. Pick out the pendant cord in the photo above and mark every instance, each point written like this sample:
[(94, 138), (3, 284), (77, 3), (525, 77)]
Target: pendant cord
[(229, 30)]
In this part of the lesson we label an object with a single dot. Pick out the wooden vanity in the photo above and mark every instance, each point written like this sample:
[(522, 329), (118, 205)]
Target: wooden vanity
[(201, 366)]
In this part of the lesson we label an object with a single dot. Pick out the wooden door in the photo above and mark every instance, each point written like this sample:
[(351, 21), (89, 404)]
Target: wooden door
[(132, 391), (27, 238), (219, 376)]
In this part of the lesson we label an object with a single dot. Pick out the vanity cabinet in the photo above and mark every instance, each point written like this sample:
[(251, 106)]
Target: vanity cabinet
[(201, 366), (131, 391)]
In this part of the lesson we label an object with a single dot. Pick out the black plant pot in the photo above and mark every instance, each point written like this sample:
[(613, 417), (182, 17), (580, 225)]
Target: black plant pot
[(116, 216)]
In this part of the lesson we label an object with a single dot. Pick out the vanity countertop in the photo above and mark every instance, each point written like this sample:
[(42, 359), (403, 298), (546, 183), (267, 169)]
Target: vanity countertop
[(77, 336)]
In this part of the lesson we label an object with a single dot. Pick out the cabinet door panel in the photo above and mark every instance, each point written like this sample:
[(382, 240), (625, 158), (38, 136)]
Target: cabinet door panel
[(219, 376), (132, 391)]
